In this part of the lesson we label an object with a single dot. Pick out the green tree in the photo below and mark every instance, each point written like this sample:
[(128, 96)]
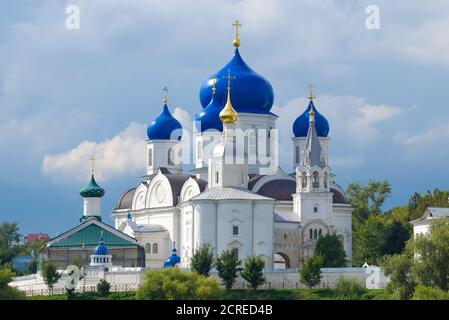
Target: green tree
[(429, 293), (331, 251), (7, 292), (431, 268), (174, 284), (50, 275), (367, 200), (9, 235), (253, 271), (419, 203), (103, 288), (350, 288), (310, 273), (399, 268), (369, 240), (228, 266), (202, 260)]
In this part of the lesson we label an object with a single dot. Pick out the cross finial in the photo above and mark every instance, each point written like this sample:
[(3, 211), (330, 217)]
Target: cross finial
[(229, 77), (92, 163), (236, 41), (165, 91), (310, 90)]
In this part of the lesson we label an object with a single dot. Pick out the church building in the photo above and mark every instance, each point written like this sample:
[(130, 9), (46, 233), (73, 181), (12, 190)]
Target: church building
[(236, 198)]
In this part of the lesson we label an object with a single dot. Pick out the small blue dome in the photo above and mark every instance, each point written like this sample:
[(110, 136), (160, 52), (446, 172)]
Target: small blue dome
[(163, 127), (301, 124), (250, 92), (101, 249), (209, 119), (173, 260)]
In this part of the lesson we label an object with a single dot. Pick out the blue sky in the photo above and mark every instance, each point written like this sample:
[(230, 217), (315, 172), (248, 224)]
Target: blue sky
[(65, 94)]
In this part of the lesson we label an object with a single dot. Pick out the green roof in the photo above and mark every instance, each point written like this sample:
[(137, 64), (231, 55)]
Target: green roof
[(90, 236), (92, 189)]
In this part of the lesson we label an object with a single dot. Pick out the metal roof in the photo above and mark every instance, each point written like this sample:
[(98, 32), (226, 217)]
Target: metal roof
[(224, 193)]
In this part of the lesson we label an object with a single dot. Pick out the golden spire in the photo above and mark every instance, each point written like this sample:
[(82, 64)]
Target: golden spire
[(228, 113), (214, 80), (92, 160), (236, 41), (310, 91), (165, 90)]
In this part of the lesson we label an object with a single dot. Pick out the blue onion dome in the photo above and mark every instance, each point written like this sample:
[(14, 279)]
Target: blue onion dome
[(101, 249), (173, 260), (251, 93), (209, 118), (92, 189), (301, 124), (164, 126)]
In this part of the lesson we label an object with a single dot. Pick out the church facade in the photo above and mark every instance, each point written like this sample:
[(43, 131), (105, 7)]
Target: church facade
[(236, 198)]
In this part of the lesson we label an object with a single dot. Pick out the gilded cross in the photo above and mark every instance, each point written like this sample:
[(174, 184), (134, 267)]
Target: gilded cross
[(92, 164), (165, 91)]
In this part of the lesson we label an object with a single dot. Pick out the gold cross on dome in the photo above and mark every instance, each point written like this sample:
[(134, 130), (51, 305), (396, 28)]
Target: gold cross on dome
[(92, 163), (237, 25), (310, 90), (165, 91), (229, 78)]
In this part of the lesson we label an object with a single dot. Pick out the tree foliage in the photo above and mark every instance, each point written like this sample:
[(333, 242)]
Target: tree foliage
[(228, 267), (202, 260), (399, 268), (9, 235), (7, 292), (174, 284), (103, 288), (310, 273), (429, 293), (431, 266), (253, 271), (350, 288), (50, 274), (331, 251)]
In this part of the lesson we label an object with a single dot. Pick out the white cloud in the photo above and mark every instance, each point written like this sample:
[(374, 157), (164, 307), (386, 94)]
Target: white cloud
[(120, 155)]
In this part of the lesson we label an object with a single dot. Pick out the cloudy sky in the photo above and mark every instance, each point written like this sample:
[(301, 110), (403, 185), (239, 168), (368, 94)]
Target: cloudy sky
[(67, 93)]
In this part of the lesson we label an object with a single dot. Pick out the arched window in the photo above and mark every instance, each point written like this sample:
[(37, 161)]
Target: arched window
[(217, 176), (155, 248), (315, 233), (304, 180), (315, 209), (198, 150), (148, 248), (316, 180), (170, 157), (320, 233), (297, 154), (311, 233), (150, 157), (326, 178)]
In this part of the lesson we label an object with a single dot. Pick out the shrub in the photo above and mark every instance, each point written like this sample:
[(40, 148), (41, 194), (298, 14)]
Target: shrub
[(7, 292), (103, 288), (428, 293), (228, 266), (350, 289), (310, 273), (253, 271), (174, 284), (202, 260)]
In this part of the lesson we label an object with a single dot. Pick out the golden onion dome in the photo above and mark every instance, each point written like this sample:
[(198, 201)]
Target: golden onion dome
[(228, 114)]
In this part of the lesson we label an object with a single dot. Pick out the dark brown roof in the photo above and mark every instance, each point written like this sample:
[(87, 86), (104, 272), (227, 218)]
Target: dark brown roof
[(280, 189), (338, 197), (126, 199)]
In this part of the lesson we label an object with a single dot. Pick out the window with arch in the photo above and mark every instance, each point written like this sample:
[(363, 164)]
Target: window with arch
[(304, 180), (150, 157), (311, 233), (297, 154), (315, 233), (316, 179), (148, 248), (326, 179), (315, 209), (217, 176), (320, 232), (155, 247), (170, 157), (198, 150)]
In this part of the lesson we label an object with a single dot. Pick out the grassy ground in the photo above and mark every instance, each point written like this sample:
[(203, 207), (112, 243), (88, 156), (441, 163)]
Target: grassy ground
[(268, 294)]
